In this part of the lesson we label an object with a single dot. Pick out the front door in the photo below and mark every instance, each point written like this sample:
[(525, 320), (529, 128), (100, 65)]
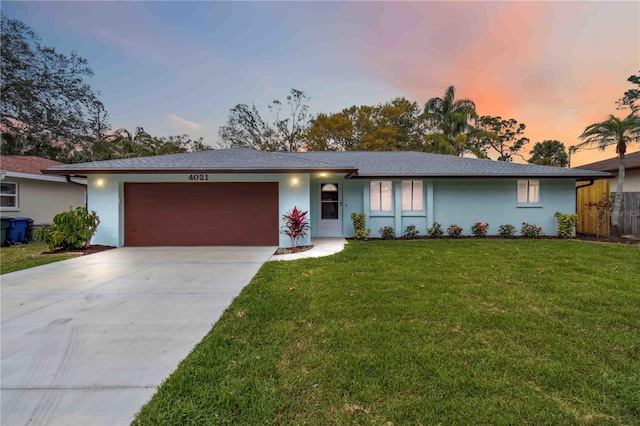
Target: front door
[(330, 217)]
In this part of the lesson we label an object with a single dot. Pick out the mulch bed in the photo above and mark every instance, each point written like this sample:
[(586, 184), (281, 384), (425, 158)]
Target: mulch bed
[(95, 248), (298, 249), (627, 239)]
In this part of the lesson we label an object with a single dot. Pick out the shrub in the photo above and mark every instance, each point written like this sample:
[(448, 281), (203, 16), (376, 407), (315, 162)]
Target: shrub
[(604, 207), (479, 229), (566, 224), (506, 231), (387, 233), (295, 225), (410, 232), (70, 230), (359, 226), (530, 231), (435, 231), (454, 231)]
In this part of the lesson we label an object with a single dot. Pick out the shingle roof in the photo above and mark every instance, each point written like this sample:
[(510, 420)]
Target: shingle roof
[(631, 162), (214, 161), (357, 164), (26, 164), (406, 163)]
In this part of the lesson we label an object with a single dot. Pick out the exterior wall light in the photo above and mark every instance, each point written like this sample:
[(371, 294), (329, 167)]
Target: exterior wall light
[(100, 183), (324, 174), (294, 181)]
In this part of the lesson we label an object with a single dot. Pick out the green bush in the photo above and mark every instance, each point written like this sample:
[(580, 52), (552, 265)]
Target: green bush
[(360, 226), (566, 224), (410, 232), (435, 231), (529, 230), (454, 231), (479, 229), (506, 231), (387, 233), (70, 230)]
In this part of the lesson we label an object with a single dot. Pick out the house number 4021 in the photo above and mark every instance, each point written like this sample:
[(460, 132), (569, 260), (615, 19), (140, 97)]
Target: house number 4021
[(198, 177)]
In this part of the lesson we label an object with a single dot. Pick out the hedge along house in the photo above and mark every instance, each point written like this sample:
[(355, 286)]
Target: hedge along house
[(238, 196)]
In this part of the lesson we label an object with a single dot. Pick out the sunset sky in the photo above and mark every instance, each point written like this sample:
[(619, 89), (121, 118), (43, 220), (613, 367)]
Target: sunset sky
[(178, 67)]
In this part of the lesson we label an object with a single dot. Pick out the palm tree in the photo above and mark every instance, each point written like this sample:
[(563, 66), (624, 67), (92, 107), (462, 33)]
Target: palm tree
[(124, 144), (451, 121), (549, 153), (613, 131)]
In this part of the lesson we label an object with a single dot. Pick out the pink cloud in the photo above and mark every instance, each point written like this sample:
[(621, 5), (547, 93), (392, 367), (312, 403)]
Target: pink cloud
[(555, 66), (183, 122)]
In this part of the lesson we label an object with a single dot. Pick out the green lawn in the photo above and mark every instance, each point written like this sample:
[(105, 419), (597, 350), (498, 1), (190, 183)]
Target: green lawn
[(423, 332), (24, 256)]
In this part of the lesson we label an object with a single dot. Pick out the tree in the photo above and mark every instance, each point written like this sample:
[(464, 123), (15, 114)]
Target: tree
[(45, 98), (631, 98), (126, 144), (451, 127), (549, 153), (394, 125), (613, 131), (509, 139), (247, 129)]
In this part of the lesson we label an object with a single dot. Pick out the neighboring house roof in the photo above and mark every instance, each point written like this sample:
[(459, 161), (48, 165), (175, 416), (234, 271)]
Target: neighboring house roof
[(28, 167), (26, 164), (355, 164), (631, 162)]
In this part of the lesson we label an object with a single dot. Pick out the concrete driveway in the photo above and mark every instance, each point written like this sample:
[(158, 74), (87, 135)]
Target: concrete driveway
[(87, 341)]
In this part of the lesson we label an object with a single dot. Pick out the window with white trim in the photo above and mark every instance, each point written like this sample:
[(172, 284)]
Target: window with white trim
[(528, 192), (9, 195), (412, 195), (380, 196)]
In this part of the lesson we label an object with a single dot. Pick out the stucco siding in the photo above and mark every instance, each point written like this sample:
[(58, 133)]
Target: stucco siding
[(353, 198), (42, 200), (631, 182), (105, 197), (464, 202)]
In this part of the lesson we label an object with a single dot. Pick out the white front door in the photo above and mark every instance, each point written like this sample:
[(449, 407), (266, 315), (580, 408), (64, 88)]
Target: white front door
[(330, 214)]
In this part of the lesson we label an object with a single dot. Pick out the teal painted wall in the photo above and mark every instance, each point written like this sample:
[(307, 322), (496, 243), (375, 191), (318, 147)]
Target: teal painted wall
[(106, 199), (448, 201), (466, 201)]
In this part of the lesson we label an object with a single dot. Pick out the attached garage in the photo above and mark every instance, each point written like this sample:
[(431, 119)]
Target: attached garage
[(201, 214)]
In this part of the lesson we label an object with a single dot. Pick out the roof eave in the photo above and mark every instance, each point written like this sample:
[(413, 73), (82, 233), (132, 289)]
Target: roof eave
[(84, 172), (482, 176)]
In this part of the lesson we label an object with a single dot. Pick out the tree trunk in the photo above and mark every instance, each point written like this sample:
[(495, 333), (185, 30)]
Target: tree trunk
[(617, 201)]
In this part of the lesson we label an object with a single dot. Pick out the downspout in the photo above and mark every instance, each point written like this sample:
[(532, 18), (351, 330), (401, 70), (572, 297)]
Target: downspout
[(68, 177), (591, 182), (84, 185)]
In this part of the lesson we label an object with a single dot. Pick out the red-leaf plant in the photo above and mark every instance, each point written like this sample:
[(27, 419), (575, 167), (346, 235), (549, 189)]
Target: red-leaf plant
[(295, 225)]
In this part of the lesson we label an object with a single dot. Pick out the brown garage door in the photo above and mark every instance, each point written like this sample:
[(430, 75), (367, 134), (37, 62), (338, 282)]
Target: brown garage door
[(200, 214)]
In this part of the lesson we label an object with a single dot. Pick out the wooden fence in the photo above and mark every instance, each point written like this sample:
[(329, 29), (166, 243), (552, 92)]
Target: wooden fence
[(630, 213), (588, 216)]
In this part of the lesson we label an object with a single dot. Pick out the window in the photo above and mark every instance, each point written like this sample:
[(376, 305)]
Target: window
[(380, 196), (412, 195), (528, 191), (330, 200), (9, 194)]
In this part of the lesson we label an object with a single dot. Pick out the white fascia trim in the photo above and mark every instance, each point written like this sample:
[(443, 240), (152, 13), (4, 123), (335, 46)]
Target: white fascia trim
[(46, 178)]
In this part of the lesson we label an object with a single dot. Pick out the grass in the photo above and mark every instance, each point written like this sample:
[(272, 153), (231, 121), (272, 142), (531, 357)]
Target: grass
[(24, 256), (422, 332)]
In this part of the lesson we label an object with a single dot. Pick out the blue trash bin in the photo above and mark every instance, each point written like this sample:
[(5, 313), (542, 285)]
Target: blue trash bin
[(16, 232)]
